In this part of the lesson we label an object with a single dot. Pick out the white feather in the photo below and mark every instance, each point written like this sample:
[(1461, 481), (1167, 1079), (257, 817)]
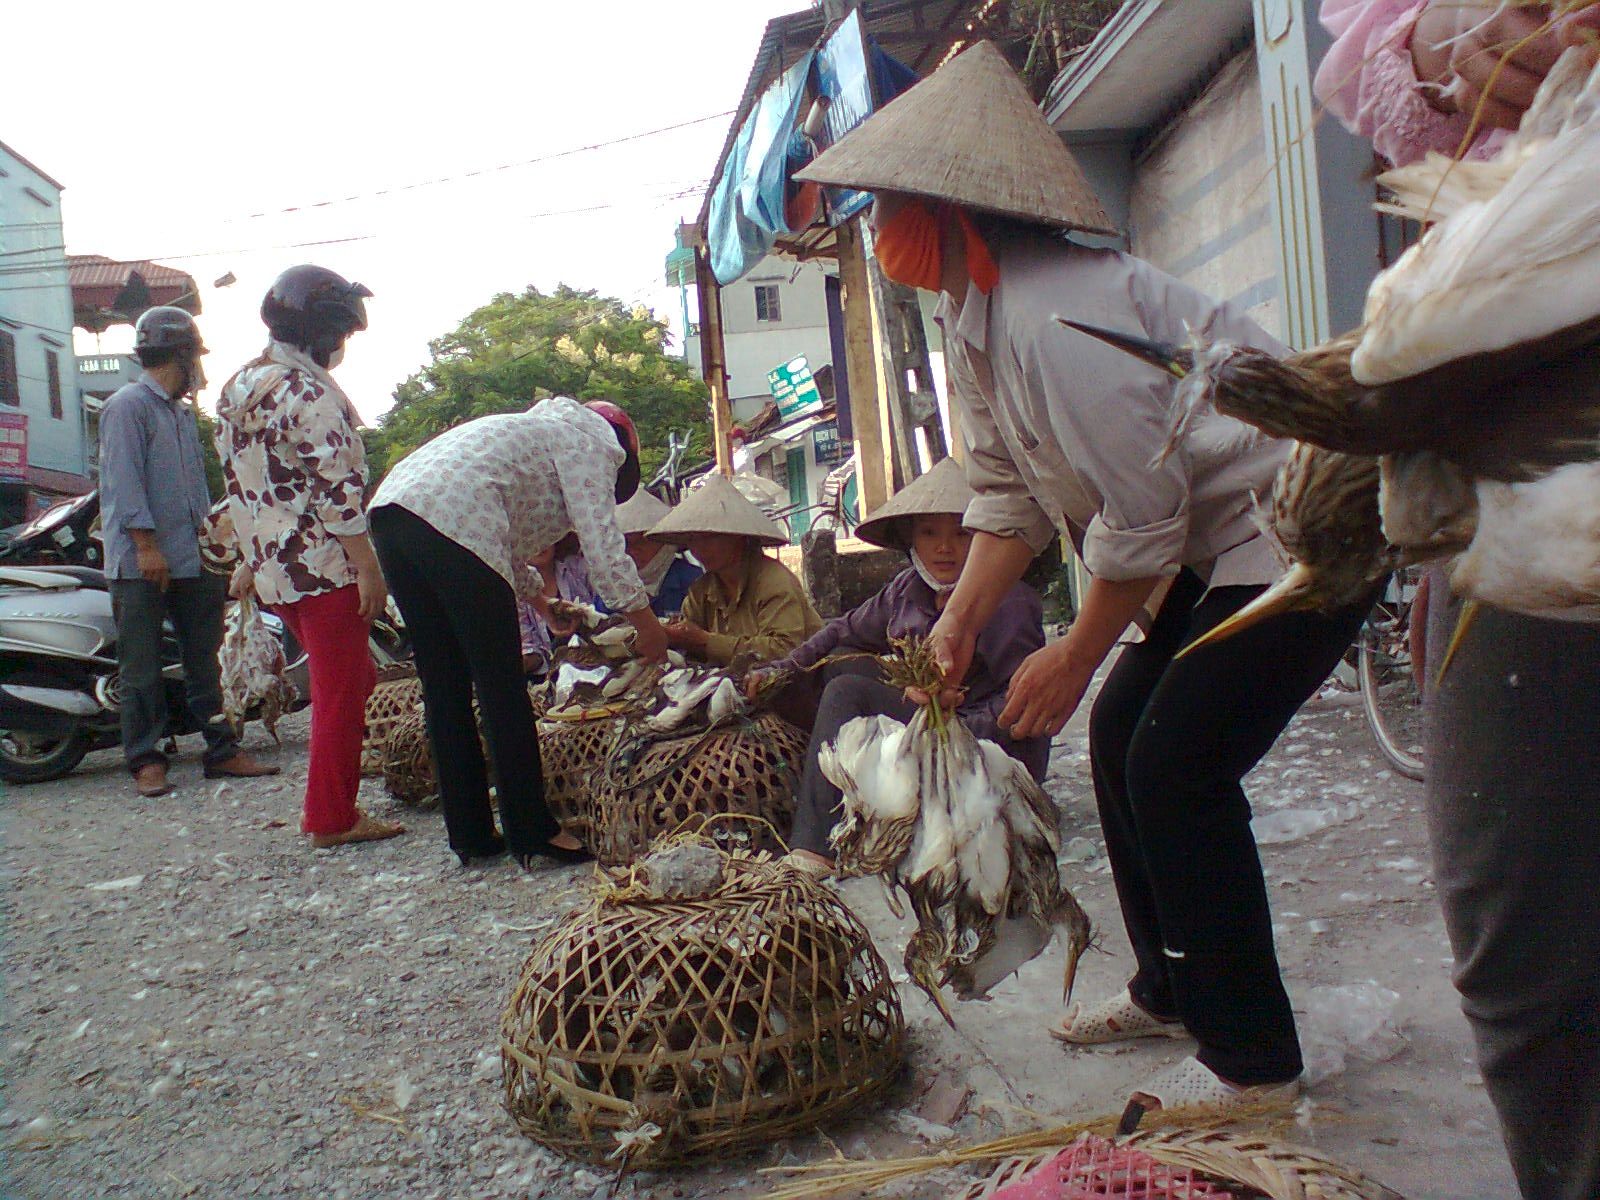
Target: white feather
[(1500, 271)]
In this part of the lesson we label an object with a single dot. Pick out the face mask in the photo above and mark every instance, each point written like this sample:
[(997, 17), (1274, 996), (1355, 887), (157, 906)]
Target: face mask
[(927, 576), (336, 357), (194, 378), (910, 251)]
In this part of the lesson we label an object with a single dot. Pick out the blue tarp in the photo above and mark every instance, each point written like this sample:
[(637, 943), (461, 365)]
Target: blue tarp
[(746, 212)]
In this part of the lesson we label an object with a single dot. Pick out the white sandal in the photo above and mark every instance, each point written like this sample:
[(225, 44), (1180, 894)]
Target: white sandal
[(1118, 1019), (1197, 1090)]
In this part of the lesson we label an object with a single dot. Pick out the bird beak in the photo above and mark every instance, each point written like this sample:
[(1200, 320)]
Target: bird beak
[(1469, 614), (930, 985), (1290, 593), (1157, 354)]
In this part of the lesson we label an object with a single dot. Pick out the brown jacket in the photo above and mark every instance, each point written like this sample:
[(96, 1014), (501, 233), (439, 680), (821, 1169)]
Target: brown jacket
[(767, 615)]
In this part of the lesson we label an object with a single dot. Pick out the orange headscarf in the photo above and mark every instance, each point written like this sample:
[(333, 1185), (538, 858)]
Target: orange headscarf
[(910, 251)]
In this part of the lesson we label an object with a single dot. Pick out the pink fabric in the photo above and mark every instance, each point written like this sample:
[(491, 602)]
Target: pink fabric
[(1093, 1168), (330, 628), (1369, 82)]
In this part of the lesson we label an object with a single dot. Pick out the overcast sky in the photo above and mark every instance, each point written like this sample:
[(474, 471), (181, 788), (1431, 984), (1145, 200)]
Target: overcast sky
[(181, 131)]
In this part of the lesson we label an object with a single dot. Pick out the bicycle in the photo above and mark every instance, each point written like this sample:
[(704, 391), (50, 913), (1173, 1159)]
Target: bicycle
[(1391, 694)]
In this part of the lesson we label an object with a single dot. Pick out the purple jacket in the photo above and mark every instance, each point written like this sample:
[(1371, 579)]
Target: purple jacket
[(905, 608)]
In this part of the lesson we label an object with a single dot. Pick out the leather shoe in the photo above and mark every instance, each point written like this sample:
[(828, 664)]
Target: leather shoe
[(151, 780), (240, 766)]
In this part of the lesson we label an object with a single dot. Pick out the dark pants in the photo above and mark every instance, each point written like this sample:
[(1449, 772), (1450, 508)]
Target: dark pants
[(855, 690), (1513, 751), (195, 607), (1169, 743), (462, 619)]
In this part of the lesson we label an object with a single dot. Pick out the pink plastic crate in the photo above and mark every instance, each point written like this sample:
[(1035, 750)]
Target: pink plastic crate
[(1095, 1169)]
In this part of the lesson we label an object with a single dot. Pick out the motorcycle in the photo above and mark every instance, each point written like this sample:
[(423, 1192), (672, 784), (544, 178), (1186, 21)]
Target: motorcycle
[(59, 684)]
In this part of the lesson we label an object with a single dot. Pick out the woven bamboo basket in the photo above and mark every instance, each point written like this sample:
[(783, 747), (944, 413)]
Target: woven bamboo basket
[(751, 768), (652, 1032), (1186, 1163), (408, 762), (398, 694), (572, 754)]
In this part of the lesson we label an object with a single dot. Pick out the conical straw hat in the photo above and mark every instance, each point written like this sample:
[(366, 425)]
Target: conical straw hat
[(968, 134), (716, 506), (942, 490), (641, 512)]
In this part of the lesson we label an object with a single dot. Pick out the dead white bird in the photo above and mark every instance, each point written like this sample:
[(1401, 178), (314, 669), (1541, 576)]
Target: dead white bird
[(963, 830)]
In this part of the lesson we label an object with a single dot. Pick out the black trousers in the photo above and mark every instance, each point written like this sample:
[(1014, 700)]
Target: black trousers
[(1169, 743), (462, 619)]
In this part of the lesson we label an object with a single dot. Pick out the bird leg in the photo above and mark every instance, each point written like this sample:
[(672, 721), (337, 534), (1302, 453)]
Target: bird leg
[(1469, 614)]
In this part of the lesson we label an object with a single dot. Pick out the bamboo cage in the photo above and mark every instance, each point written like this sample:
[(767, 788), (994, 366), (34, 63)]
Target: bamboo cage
[(648, 1032), (407, 762), (647, 790), (572, 754), (398, 694)]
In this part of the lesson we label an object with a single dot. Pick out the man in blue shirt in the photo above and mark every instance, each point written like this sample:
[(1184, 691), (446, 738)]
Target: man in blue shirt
[(153, 498)]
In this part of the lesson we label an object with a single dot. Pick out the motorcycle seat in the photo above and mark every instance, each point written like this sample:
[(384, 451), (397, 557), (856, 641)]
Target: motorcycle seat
[(88, 577), (36, 577)]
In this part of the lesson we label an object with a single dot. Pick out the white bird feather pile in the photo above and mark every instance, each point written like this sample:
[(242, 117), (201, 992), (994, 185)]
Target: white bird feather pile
[(963, 830), (254, 674)]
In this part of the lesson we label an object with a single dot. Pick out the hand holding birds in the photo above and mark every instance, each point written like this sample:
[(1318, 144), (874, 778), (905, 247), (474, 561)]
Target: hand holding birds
[(1488, 58)]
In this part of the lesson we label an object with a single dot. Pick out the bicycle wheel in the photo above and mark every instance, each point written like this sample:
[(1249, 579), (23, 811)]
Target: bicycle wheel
[(1390, 697)]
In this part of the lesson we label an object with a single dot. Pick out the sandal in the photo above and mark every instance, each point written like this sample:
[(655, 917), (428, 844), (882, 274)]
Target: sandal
[(1119, 1019), (366, 829), (1196, 1090)]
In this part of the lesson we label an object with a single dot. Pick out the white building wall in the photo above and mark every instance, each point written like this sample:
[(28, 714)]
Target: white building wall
[(755, 347), (36, 310), (1200, 206)]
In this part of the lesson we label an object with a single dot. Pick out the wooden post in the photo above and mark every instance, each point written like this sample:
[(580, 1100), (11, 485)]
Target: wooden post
[(861, 363), (898, 450), (714, 357)]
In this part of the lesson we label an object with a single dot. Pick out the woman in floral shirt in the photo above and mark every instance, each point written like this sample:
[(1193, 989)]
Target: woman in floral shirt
[(456, 524), (296, 475)]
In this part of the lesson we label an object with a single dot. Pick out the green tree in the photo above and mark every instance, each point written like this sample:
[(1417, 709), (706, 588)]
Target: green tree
[(209, 455), (520, 348)]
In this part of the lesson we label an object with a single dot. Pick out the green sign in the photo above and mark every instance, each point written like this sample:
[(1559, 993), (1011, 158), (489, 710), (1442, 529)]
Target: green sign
[(793, 389)]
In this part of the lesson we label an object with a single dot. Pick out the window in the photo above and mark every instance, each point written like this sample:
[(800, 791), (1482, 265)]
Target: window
[(768, 307), (9, 393), (52, 373)]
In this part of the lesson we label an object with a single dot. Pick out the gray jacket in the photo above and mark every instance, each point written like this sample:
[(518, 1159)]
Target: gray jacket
[(152, 476)]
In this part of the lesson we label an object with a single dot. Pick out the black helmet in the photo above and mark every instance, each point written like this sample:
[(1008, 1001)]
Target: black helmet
[(314, 308), (165, 333)]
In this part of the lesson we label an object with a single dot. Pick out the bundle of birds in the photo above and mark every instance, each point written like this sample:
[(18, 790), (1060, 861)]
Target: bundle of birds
[(1472, 378), (254, 674), (963, 830)]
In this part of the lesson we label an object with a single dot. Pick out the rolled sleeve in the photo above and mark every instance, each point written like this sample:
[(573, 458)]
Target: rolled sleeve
[(588, 489), (122, 468), (1369, 81)]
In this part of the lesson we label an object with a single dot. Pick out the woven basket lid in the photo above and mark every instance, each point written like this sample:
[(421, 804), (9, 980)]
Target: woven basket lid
[(942, 490), (968, 134), (641, 512), (716, 506)]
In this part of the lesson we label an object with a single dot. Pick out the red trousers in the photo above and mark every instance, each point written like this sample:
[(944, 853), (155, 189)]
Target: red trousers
[(330, 628)]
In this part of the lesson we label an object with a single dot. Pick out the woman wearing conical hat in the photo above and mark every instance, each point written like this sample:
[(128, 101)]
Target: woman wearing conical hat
[(664, 569), (746, 605), (924, 520), (974, 193)]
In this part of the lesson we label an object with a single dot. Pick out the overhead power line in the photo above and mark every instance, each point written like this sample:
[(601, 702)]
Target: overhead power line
[(483, 171)]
